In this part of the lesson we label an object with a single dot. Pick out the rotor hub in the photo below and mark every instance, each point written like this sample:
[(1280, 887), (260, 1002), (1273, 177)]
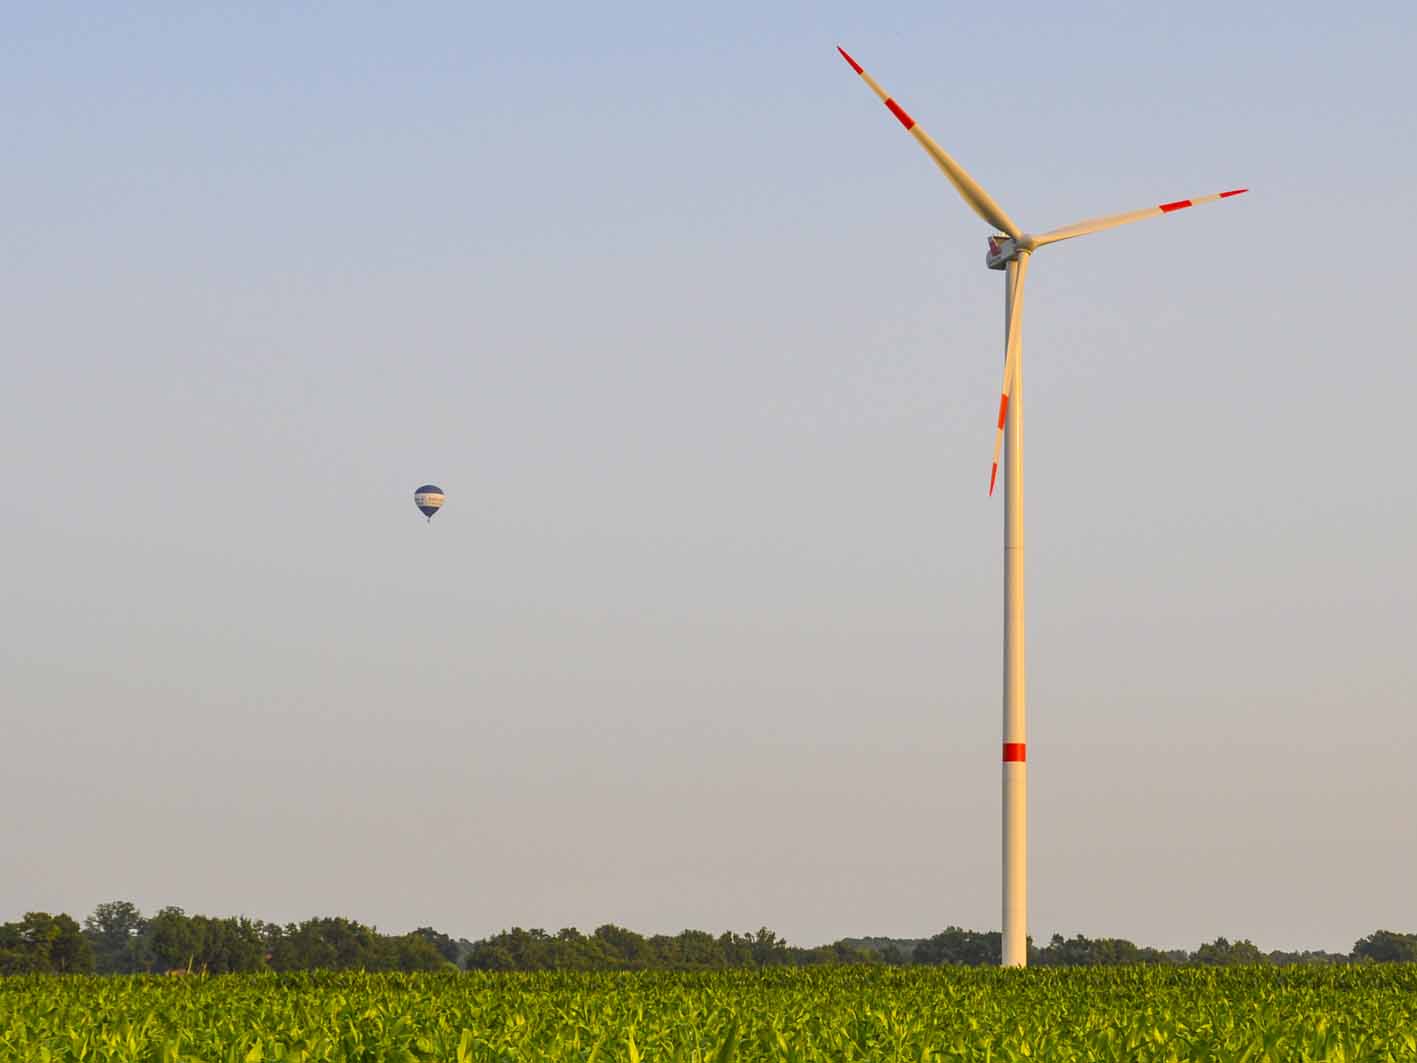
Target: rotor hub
[(1005, 249)]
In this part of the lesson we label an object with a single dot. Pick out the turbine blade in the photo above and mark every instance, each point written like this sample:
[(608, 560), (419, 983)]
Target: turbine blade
[(978, 199), (1093, 225), (1012, 344)]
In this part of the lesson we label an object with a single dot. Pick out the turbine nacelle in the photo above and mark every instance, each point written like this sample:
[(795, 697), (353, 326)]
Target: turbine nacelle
[(1002, 250), (1005, 249)]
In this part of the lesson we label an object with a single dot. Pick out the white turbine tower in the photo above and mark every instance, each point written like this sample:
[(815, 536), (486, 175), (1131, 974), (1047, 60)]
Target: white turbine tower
[(1009, 250)]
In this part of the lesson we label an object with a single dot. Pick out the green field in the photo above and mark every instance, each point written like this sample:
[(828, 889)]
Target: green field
[(1347, 1013)]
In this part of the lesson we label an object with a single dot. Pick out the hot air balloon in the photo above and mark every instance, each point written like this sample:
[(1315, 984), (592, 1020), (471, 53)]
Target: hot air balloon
[(429, 499)]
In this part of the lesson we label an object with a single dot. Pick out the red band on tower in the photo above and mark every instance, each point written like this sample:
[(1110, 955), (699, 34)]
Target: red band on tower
[(1014, 751)]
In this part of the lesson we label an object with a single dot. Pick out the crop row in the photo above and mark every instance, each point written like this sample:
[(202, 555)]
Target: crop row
[(1349, 1014)]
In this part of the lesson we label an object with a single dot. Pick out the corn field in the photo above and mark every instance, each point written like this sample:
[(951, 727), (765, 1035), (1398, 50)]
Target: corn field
[(1230, 1015)]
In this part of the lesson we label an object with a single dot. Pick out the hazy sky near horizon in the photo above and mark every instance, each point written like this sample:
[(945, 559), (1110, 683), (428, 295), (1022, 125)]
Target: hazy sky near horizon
[(703, 351)]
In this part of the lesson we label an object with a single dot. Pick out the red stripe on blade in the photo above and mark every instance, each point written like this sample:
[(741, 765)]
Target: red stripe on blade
[(993, 475), (1236, 192), (1180, 204), (1013, 751), (854, 64), (1003, 408), (899, 112)]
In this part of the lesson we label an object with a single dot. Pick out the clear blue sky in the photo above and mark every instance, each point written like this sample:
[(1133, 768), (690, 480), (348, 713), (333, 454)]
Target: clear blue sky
[(704, 353)]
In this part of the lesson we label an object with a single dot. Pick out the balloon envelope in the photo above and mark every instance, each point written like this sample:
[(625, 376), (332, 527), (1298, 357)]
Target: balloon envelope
[(429, 499)]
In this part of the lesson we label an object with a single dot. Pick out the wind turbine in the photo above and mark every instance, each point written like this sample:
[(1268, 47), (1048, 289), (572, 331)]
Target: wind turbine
[(1009, 250)]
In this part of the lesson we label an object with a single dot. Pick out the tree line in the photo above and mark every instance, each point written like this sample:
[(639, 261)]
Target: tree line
[(613, 947), (118, 939)]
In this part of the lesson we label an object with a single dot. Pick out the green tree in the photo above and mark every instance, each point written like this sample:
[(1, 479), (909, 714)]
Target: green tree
[(343, 944), (1386, 946), (446, 946), (737, 949), (173, 939), (953, 945), (44, 943), (336, 943), (1307, 958), (1080, 951), (625, 948), (115, 933), (414, 952), (1223, 953), (695, 949), (893, 955), (228, 945), (768, 950)]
